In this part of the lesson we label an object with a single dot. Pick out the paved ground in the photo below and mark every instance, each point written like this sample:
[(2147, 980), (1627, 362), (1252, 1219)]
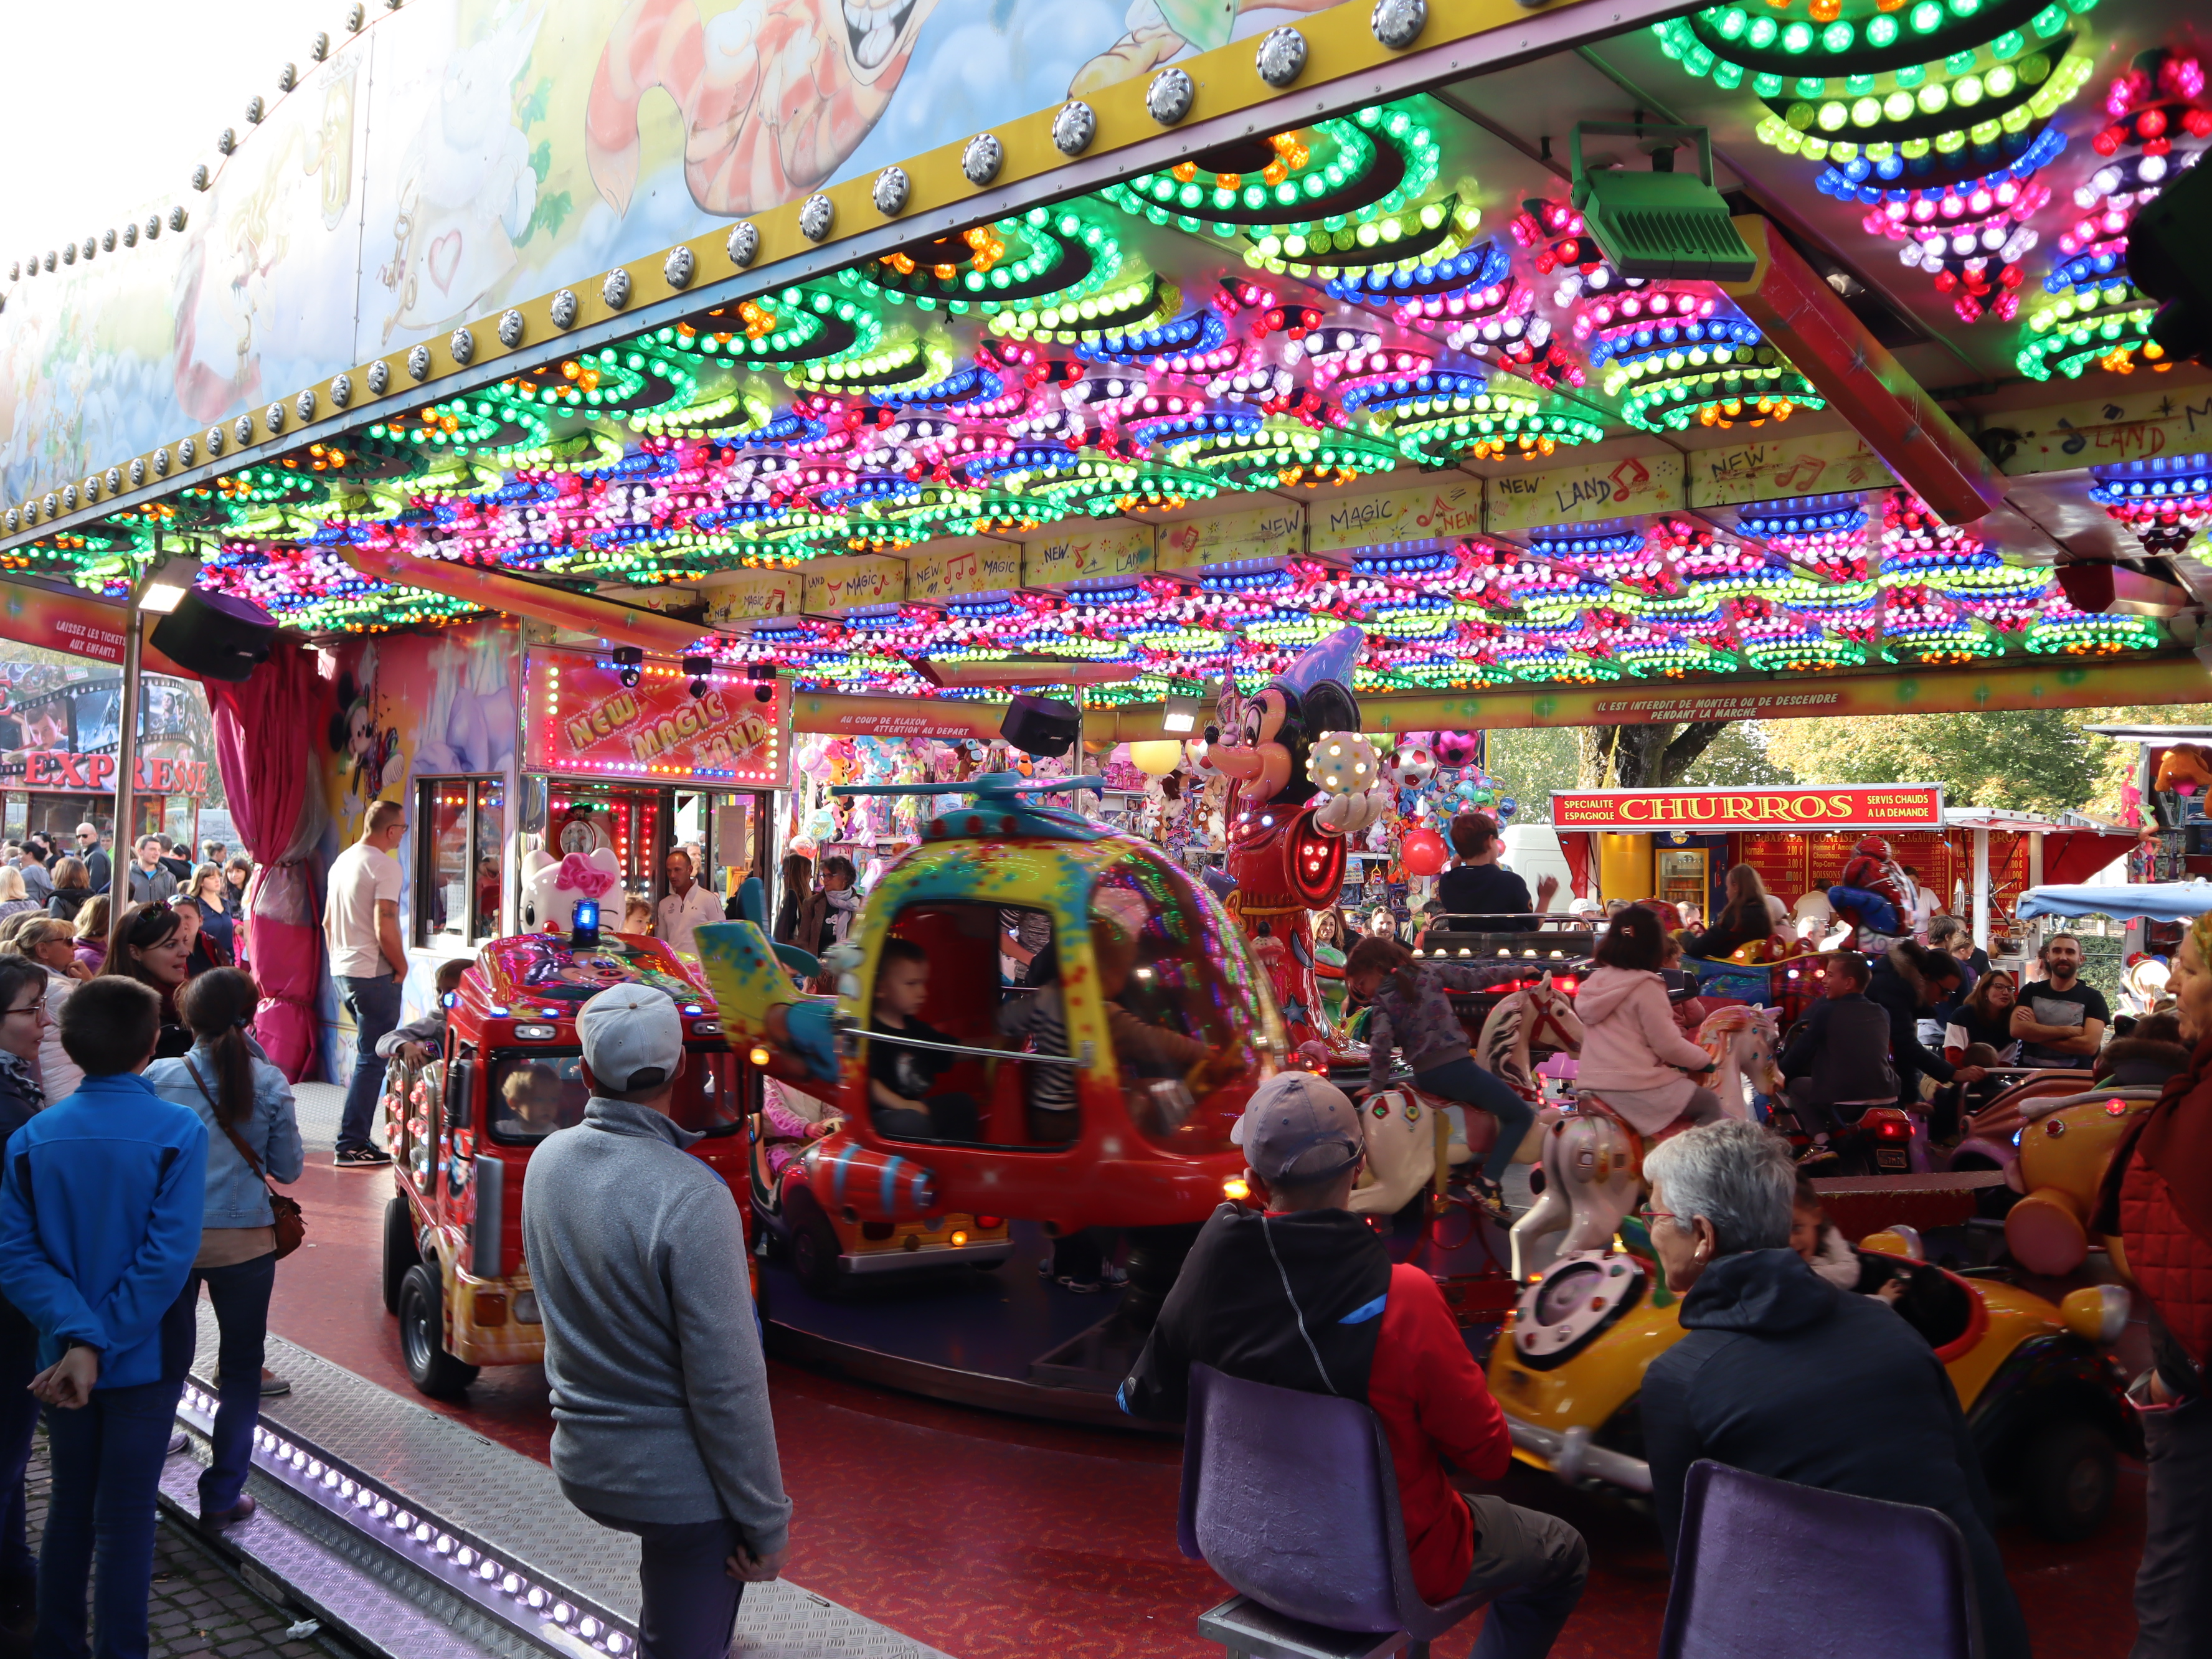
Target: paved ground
[(199, 1609)]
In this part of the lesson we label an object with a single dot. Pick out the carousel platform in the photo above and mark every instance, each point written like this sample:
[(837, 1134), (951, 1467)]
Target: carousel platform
[(411, 1535)]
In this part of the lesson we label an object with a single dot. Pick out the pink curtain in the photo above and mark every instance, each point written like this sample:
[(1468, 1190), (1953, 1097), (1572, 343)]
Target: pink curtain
[(264, 747)]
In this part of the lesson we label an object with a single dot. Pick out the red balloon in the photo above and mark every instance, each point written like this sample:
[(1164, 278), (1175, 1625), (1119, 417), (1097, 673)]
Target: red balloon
[(1423, 853)]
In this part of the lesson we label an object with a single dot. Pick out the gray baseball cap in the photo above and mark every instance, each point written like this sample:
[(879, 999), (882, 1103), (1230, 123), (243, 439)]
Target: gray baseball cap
[(1300, 1127), (632, 1037)]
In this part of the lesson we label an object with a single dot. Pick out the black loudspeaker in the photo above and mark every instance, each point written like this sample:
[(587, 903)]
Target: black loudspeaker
[(216, 635), (2169, 248), (1042, 725)]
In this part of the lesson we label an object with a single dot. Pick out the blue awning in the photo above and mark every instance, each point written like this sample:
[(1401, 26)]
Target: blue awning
[(2160, 901)]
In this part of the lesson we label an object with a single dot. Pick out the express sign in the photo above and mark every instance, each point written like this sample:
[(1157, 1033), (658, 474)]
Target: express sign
[(63, 770), (1870, 807)]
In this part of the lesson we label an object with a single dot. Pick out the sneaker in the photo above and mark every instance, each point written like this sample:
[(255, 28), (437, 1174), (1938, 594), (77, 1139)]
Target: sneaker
[(178, 1441), (241, 1511), (272, 1384), (360, 1158), (1080, 1287), (1114, 1278), (1044, 1268), (1815, 1154)]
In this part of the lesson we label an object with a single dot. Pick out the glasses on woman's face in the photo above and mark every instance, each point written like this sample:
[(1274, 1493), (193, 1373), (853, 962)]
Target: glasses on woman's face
[(33, 1008)]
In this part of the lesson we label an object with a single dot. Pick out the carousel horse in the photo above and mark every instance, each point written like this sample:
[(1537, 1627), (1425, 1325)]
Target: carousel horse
[(1406, 1128), (1741, 1041), (1594, 1161)]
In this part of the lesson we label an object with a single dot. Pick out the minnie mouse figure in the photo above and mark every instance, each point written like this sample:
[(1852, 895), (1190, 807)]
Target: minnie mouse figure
[(1286, 840)]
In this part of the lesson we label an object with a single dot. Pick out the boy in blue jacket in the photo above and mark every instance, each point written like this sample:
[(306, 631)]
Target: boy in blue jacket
[(100, 1222)]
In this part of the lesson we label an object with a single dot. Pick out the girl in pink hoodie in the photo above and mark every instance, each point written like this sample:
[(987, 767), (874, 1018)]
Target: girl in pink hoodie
[(1633, 1055)]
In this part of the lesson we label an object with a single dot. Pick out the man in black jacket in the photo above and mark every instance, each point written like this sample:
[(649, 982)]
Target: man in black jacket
[(1908, 983), (1838, 1055), (1784, 1374)]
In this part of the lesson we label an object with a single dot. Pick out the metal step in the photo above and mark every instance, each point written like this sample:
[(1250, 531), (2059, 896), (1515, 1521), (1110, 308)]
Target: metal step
[(412, 1536)]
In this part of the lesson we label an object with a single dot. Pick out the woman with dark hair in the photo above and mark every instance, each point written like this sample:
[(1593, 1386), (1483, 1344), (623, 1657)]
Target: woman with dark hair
[(1634, 1056), (1747, 916), (1478, 885), (1413, 1011), (218, 934), (253, 1137), (151, 946), (235, 874), (797, 881), (72, 888)]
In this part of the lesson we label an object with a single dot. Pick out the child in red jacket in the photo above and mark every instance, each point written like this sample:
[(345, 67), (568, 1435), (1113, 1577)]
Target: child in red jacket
[(1304, 1296)]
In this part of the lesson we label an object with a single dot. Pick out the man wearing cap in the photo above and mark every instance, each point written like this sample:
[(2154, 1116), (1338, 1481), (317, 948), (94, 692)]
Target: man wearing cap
[(1303, 1295), (661, 1424)]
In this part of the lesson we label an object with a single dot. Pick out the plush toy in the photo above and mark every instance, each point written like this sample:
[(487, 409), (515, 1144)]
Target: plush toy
[(551, 886), (1286, 836), (2186, 767)]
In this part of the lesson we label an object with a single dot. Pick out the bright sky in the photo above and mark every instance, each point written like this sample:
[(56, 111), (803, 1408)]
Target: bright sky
[(137, 91)]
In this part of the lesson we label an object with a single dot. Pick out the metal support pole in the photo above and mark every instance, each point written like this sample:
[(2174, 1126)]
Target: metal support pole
[(1982, 888), (121, 859)]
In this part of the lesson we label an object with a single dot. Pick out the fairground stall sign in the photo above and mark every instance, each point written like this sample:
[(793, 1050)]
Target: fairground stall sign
[(1872, 807), (593, 716)]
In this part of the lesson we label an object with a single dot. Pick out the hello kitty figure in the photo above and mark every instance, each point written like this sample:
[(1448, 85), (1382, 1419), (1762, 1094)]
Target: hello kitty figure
[(551, 887)]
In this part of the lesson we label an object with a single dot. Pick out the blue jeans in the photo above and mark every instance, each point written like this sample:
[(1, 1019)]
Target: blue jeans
[(689, 1600), (19, 1421), (107, 1457), (241, 1294), (375, 1005), (1464, 1081)]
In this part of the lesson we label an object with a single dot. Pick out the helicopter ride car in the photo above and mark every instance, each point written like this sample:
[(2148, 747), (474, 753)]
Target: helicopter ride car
[(462, 1127), (1101, 1090)]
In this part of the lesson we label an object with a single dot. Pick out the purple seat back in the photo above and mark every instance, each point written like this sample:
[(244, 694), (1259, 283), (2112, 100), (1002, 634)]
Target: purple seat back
[(1766, 1566), (1291, 1496)]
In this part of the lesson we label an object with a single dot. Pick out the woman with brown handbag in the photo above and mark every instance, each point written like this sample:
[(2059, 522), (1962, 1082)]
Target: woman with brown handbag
[(253, 1136)]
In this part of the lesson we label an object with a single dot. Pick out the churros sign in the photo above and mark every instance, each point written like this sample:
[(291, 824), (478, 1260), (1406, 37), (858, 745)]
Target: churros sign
[(1819, 806)]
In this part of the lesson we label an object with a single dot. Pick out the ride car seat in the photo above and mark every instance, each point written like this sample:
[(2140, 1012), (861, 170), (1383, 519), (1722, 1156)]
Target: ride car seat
[(1894, 1577), (1291, 1498)]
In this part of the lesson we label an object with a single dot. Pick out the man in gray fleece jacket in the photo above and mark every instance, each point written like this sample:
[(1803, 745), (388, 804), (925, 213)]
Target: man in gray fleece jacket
[(662, 1424)]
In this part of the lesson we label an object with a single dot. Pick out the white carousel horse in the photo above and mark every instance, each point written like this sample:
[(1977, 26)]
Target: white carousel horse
[(1404, 1126), (1594, 1162), (1741, 1040)]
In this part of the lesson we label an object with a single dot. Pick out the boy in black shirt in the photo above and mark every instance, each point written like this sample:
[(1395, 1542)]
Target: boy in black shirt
[(899, 1077)]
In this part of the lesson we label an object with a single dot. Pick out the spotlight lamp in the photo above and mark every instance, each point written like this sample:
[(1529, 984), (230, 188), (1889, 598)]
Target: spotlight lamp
[(628, 660), (167, 585), (698, 667)]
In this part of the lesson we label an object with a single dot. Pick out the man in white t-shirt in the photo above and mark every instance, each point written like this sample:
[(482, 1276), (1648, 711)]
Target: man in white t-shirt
[(361, 925), (685, 905)]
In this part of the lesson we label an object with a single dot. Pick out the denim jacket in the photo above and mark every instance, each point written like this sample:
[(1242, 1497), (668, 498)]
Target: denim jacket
[(235, 1196)]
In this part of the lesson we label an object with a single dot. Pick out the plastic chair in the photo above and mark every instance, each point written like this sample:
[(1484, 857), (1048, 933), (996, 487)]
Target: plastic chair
[(1891, 1578), (1291, 1496)]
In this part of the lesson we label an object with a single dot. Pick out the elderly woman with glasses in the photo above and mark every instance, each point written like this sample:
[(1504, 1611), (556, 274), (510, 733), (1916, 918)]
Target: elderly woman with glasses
[(1784, 1374)]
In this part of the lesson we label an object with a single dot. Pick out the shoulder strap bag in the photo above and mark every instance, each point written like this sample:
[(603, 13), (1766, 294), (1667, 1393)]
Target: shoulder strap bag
[(291, 1221)]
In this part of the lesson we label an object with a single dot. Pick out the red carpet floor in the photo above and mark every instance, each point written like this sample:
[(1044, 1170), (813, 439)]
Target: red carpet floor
[(995, 1538)]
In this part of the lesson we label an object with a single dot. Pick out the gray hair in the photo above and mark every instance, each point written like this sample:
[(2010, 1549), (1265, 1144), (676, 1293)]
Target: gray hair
[(1736, 1175), (1944, 928)]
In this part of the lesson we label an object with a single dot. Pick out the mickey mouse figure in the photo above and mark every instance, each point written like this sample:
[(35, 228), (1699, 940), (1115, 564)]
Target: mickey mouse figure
[(1286, 839)]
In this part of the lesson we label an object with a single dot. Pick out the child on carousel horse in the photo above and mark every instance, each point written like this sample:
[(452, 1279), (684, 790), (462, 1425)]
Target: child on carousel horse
[(1634, 1056), (1412, 1011)]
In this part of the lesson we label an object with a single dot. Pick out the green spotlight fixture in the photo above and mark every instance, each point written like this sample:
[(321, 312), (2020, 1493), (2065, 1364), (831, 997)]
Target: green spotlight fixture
[(1660, 223)]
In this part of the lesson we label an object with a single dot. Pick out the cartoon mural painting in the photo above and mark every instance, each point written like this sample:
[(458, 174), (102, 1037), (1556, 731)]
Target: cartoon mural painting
[(452, 157), (468, 190), (368, 751), (774, 93)]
